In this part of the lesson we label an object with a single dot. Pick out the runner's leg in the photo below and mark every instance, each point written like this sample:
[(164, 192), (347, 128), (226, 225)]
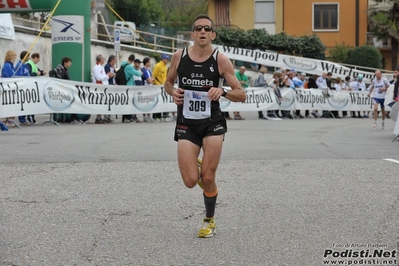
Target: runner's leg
[(187, 153)]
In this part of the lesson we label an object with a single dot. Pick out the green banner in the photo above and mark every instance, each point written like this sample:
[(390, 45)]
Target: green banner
[(70, 33)]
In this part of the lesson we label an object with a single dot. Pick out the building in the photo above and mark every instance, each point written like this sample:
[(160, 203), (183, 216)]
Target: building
[(248, 14), (334, 21)]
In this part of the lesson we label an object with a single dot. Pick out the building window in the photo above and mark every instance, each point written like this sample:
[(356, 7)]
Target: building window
[(325, 17), (264, 12)]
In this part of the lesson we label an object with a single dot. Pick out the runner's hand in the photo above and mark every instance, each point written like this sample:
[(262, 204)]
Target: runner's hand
[(178, 96), (215, 93)]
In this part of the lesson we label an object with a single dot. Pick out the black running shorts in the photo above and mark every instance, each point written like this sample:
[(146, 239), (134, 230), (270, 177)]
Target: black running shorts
[(195, 133)]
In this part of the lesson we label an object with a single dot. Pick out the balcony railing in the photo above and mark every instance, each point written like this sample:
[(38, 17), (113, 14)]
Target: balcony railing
[(372, 40)]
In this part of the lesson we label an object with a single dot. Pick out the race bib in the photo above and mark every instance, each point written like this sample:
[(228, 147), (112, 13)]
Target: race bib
[(196, 105)]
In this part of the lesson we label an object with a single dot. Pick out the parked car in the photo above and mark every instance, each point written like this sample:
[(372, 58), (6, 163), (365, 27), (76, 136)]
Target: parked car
[(127, 31)]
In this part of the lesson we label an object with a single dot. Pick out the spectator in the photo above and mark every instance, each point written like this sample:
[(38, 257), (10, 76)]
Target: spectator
[(276, 88), (330, 87), (393, 81), (299, 82), (7, 72), (357, 85), (159, 76), (148, 80), (22, 70), (110, 68), (99, 76), (129, 73), (34, 71), (345, 87), (312, 84), (243, 79), (261, 82), (337, 87), (138, 81), (61, 72), (396, 92)]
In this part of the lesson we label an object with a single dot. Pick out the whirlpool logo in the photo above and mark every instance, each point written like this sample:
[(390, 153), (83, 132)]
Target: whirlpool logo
[(145, 100), (287, 99), (57, 96), (337, 100), (300, 63)]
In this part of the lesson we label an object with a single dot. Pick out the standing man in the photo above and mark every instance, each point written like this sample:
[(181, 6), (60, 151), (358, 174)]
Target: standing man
[(22, 70), (243, 79), (110, 67), (129, 72), (159, 76), (138, 81), (99, 76), (34, 71), (199, 119), (148, 80), (61, 72), (357, 85), (381, 86)]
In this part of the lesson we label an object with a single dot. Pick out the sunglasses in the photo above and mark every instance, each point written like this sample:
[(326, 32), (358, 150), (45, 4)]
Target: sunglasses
[(206, 28)]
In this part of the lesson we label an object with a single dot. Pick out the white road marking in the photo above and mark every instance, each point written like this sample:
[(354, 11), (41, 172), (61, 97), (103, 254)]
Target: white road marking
[(392, 160)]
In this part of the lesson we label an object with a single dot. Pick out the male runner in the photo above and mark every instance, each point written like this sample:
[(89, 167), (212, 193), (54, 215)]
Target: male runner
[(381, 86), (200, 123)]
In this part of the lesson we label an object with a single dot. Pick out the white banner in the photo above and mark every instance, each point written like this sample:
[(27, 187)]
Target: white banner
[(6, 27), (67, 29), (301, 64), (38, 95)]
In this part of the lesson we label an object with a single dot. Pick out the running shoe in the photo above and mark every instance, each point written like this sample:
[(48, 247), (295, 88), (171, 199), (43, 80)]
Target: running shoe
[(199, 164), (375, 125), (383, 125), (208, 228)]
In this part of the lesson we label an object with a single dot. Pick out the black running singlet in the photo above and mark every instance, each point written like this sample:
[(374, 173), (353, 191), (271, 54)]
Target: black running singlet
[(196, 79)]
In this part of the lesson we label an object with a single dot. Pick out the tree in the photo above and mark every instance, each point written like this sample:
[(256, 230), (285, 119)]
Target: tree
[(340, 53), (306, 46), (138, 11), (384, 23), (367, 56)]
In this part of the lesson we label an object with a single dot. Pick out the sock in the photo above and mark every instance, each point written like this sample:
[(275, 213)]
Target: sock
[(210, 204)]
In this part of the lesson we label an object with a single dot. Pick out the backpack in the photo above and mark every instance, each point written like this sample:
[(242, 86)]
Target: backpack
[(120, 77)]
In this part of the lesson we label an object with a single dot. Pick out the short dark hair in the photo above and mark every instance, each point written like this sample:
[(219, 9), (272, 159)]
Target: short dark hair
[(146, 60), (35, 55), (65, 60), (111, 57), (23, 54), (131, 57), (202, 16), (329, 74), (347, 78)]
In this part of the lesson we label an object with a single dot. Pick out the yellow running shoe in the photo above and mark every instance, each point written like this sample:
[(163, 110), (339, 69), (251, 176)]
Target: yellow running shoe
[(208, 228), (199, 163)]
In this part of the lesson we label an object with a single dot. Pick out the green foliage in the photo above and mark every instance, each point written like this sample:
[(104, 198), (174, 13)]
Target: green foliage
[(340, 53), (384, 24), (308, 46), (138, 11), (367, 56)]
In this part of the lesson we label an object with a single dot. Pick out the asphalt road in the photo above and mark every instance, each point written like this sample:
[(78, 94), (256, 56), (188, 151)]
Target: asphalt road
[(292, 192)]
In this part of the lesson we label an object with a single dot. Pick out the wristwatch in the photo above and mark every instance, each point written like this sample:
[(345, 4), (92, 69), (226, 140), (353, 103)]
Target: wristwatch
[(224, 92)]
